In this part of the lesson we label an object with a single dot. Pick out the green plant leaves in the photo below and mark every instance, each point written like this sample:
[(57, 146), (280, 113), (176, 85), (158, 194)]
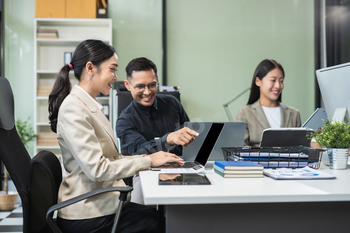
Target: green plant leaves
[(334, 135), (25, 131)]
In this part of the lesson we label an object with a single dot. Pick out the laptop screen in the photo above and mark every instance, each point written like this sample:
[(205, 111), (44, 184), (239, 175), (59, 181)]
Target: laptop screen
[(316, 120), (232, 135), (209, 143)]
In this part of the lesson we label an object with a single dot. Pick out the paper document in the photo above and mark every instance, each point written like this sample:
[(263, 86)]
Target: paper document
[(305, 173)]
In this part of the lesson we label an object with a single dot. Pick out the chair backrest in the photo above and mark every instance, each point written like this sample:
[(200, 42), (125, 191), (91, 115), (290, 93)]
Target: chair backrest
[(46, 177), (12, 151), (124, 98), (36, 180)]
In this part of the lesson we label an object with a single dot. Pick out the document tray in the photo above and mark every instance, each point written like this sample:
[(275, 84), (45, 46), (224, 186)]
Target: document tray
[(276, 157)]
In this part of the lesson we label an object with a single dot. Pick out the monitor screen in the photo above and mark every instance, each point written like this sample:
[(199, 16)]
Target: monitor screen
[(334, 85)]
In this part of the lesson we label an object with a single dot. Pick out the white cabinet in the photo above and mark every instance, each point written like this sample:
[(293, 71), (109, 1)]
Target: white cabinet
[(49, 59)]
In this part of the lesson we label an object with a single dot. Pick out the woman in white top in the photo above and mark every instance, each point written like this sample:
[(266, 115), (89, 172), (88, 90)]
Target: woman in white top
[(264, 108)]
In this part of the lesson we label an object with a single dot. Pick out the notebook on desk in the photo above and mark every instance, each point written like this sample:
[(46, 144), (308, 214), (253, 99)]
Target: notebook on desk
[(201, 156)]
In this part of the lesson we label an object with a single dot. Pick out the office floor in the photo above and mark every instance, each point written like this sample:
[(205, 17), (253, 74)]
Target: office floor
[(11, 221)]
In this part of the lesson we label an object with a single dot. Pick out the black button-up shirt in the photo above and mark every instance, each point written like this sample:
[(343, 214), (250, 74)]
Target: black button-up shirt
[(143, 129)]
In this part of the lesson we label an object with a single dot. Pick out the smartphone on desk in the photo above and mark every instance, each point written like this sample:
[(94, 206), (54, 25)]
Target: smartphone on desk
[(183, 179)]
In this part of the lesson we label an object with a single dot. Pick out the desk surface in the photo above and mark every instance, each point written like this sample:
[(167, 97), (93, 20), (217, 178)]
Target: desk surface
[(247, 190)]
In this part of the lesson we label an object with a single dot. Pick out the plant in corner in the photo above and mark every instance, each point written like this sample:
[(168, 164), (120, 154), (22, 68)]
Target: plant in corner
[(335, 136), (26, 133)]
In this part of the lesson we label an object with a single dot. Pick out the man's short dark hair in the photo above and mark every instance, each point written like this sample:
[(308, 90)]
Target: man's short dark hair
[(140, 64)]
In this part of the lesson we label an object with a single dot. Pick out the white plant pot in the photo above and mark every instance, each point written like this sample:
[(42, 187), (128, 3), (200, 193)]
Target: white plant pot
[(338, 158), (325, 159)]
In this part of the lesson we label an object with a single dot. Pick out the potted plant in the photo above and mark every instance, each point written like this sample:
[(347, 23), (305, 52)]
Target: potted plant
[(335, 136), (8, 198)]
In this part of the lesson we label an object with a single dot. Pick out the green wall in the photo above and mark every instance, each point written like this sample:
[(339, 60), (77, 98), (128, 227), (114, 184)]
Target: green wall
[(137, 31), (19, 55), (213, 48)]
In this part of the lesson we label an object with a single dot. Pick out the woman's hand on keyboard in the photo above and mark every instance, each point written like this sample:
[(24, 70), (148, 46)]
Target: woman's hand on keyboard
[(162, 157)]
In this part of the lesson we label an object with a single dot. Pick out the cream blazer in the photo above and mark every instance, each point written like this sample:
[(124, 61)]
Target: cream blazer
[(90, 156), (254, 117)]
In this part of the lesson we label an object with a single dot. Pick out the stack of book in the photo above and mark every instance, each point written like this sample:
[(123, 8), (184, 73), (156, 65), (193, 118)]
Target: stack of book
[(238, 169), (47, 33), (44, 90), (47, 140)]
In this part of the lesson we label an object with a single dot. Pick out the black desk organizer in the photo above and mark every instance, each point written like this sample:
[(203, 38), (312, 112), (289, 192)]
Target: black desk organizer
[(276, 157)]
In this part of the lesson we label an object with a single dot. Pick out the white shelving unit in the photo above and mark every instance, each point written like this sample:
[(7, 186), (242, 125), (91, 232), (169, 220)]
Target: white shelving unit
[(49, 59)]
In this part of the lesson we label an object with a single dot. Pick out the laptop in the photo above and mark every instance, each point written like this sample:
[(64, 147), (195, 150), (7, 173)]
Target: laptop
[(201, 157), (284, 137), (232, 135), (316, 119)]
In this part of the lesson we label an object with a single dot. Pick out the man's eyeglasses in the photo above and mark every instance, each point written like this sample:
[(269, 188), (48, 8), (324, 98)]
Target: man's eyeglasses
[(141, 87)]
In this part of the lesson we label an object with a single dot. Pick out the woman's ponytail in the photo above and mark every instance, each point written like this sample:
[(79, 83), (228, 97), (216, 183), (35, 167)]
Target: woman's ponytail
[(61, 89)]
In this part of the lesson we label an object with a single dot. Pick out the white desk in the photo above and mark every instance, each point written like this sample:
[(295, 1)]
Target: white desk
[(253, 204)]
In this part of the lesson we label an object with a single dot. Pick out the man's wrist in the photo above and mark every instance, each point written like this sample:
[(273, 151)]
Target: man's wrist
[(168, 140)]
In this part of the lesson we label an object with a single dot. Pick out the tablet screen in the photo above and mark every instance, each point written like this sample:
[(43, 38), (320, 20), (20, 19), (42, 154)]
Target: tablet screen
[(183, 179)]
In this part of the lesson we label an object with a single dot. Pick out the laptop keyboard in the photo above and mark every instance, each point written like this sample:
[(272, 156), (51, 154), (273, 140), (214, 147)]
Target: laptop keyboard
[(175, 165), (188, 167)]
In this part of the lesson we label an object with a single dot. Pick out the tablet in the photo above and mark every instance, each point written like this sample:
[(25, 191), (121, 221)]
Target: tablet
[(183, 179), (281, 137)]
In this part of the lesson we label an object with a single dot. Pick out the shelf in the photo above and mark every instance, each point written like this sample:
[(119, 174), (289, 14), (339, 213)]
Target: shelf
[(49, 59), (60, 42), (42, 98), (42, 124), (47, 147), (73, 31), (46, 71), (72, 22)]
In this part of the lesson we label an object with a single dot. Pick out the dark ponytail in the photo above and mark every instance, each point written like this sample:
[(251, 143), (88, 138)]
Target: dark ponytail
[(261, 71), (96, 52), (60, 90)]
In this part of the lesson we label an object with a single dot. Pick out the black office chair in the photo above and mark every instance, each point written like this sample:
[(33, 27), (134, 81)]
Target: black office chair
[(37, 180)]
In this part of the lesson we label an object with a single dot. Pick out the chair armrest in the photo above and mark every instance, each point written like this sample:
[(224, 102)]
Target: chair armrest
[(49, 215)]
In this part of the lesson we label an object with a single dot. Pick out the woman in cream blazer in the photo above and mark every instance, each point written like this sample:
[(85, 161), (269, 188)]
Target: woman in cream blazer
[(264, 106), (89, 148)]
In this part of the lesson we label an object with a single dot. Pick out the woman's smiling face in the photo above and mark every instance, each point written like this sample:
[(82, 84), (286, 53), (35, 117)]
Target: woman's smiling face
[(271, 87)]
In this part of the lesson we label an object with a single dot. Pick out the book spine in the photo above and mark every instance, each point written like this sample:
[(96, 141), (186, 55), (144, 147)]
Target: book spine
[(219, 165), (221, 174), (218, 168)]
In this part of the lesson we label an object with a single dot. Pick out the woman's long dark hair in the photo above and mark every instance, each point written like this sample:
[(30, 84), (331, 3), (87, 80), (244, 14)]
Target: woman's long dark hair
[(96, 52), (261, 71)]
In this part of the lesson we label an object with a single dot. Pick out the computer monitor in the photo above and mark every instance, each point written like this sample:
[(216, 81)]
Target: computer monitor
[(334, 84)]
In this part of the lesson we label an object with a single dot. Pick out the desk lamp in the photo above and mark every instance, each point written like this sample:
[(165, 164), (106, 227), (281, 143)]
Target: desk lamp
[(226, 105)]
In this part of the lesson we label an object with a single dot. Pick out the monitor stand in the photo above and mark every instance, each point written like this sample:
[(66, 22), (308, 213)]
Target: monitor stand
[(340, 115)]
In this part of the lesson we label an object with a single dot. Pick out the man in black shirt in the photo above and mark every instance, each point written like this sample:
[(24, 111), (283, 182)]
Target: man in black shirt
[(151, 122)]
